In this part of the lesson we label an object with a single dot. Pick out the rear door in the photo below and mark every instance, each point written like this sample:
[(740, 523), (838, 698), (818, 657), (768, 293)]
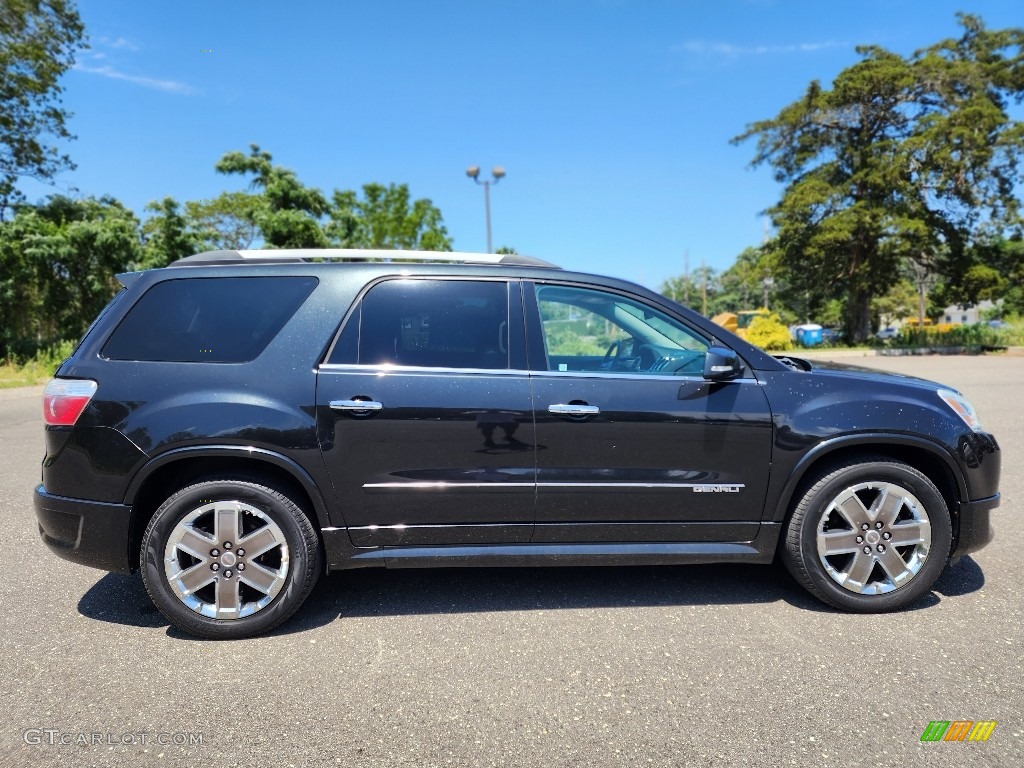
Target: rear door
[(632, 443), (425, 417)]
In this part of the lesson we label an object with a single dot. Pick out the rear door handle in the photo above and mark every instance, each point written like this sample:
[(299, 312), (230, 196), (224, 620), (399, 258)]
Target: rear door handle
[(356, 405), (561, 409)]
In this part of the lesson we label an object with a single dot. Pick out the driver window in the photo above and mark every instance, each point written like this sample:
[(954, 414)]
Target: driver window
[(594, 331)]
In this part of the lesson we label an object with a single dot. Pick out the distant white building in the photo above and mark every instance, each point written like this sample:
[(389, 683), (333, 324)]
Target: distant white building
[(973, 314)]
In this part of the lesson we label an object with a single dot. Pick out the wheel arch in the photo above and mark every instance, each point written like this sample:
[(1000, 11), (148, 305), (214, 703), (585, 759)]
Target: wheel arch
[(927, 457), (176, 469)]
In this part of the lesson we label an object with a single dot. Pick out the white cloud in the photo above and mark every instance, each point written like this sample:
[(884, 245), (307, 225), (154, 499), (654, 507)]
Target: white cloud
[(168, 86), (705, 48), (119, 42)]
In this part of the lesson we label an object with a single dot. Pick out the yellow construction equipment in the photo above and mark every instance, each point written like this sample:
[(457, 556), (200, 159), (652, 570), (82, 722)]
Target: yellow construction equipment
[(738, 322)]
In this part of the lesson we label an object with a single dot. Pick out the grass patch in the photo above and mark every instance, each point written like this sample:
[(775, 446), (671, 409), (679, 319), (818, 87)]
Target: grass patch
[(34, 370)]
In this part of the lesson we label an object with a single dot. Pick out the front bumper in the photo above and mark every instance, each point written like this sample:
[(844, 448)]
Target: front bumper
[(974, 528), (91, 533)]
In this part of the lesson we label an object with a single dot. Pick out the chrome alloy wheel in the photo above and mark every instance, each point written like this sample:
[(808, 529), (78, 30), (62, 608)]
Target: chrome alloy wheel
[(226, 560), (873, 538)]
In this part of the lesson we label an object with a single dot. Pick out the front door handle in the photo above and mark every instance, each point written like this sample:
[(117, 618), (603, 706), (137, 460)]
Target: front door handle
[(356, 405), (573, 409)]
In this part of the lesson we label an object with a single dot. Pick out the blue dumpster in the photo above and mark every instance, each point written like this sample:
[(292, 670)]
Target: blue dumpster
[(808, 334)]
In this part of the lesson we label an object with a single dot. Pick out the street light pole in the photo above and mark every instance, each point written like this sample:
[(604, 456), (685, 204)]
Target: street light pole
[(497, 174)]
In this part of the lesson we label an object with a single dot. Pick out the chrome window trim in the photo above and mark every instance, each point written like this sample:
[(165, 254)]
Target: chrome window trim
[(382, 370), (636, 376), (413, 369)]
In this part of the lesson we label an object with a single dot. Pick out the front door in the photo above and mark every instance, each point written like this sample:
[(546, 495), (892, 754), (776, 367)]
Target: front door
[(425, 418), (633, 444)]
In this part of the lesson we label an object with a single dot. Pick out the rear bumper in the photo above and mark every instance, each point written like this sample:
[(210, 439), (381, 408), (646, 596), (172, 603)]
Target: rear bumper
[(91, 533), (974, 528)]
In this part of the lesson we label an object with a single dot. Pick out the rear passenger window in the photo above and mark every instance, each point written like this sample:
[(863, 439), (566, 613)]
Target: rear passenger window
[(208, 319), (431, 323)]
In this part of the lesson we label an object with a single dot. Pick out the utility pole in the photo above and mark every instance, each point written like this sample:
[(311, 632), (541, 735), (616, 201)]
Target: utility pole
[(686, 277), (703, 288)]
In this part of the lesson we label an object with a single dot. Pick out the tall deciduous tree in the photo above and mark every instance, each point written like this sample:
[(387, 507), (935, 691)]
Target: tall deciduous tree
[(386, 217), (228, 221), (290, 215), (168, 235), (692, 290), (991, 270), (289, 212), (904, 158), (38, 40)]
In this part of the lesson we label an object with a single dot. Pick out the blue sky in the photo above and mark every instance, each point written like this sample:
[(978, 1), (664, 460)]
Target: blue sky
[(611, 117)]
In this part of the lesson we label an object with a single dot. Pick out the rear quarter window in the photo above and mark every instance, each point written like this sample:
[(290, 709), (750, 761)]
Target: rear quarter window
[(429, 323), (207, 319)]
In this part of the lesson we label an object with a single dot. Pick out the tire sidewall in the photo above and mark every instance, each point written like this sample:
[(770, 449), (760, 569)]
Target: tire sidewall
[(938, 550), (286, 515)]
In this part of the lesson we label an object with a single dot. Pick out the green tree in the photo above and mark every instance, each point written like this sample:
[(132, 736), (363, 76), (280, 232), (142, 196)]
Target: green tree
[(899, 302), (227, 222), (902, 159), (1006, 256), (388, 218), (739, 287), (830, 314), (743, 282), (990, 270), (58, 267), (38, 40), (690, 290), (289, 213), (19, 292), (168, 235)]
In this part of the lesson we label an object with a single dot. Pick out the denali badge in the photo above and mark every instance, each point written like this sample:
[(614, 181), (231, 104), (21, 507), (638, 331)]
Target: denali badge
[(734, 488)]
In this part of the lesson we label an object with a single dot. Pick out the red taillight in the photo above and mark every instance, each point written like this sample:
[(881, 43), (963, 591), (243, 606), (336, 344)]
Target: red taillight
[(65, 399)]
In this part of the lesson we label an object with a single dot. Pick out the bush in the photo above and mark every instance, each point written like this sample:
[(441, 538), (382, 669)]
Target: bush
[(945, 335), (769, 333), (1014, 332)]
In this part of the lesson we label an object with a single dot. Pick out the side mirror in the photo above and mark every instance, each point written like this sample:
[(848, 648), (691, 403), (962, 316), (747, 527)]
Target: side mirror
[(721, 364)]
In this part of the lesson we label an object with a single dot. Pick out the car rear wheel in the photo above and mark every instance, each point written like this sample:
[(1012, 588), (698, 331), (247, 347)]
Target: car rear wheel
[(868, 535), (229, 558)]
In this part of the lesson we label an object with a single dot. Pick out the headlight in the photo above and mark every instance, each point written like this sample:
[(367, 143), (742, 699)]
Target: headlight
[(963, 409)]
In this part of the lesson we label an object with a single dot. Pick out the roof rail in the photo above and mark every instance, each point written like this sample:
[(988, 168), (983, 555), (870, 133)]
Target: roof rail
[(288, 256)]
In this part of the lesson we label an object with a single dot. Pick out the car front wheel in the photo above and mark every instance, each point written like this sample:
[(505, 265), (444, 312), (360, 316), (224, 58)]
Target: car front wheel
[(868, 535), (229, 558)]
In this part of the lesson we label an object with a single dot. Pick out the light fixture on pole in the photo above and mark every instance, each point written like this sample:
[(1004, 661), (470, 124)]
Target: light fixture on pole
[(497, 174)]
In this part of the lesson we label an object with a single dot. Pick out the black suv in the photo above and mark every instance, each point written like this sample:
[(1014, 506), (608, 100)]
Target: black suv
[(241, 421)]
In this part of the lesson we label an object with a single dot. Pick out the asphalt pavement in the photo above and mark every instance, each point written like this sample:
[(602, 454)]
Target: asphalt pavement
[(670, 666)]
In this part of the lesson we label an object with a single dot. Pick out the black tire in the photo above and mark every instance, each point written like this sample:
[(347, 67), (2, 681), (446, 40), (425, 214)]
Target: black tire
[(827, 514), (251, 592)]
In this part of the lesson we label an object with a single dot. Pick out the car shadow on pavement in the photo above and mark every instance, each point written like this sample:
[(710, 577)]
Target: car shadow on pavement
[(960, 579), (382, 593), (122, 599)]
